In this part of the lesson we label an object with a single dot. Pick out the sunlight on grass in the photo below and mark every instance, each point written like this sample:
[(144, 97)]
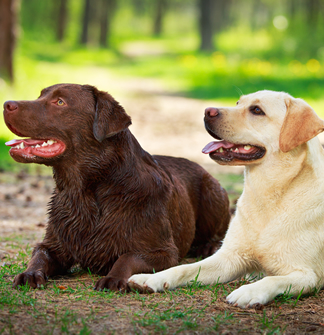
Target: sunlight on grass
[(241, 39), (215, 76)]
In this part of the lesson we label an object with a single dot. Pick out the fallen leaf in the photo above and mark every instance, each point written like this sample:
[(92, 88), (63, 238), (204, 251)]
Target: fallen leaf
[(62, 287)]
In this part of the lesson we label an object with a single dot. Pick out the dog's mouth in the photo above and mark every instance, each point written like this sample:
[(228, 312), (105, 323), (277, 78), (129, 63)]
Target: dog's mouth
[(226, 152), (31, 148)]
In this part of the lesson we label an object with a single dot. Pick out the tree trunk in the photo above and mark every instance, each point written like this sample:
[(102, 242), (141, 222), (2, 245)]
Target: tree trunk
[(107, 11), (205, 24), (8, 12), (159, 10), (312, 10), (85, 22), (139, 7), (62, 19), (220, 14)]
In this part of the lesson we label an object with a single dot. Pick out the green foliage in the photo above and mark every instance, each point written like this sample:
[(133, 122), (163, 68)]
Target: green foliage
[(268, 324), (6, 162), (69, 305), (221, 319)]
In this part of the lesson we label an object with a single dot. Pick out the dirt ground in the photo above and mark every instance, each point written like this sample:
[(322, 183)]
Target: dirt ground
[(163, 124), (23, 204)]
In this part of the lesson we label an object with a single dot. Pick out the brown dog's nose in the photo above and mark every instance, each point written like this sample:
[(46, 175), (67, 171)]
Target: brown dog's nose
[(211, 112), (10, 106)]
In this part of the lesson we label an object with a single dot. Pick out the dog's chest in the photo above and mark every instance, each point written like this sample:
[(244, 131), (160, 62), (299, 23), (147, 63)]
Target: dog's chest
[(86, 231), (271, 245), (261, 238)]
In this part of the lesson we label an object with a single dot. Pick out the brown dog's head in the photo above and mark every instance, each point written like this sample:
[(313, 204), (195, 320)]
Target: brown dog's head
[(65, 118)]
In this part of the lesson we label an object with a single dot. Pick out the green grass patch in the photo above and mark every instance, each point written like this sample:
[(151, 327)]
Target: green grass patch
[(6, 162), (69, 305)]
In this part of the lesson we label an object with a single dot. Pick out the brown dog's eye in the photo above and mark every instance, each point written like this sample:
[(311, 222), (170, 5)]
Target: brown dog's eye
[(237, 102), (256, 110), (60, 102)]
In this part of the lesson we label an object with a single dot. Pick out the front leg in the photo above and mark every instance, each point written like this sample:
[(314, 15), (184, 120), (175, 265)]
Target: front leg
[(42, 265), (130, 263), (266, 289), (221, 267)]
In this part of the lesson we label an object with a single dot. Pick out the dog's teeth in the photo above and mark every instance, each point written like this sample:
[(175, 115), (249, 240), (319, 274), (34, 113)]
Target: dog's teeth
[(231, 149), (247, 147), (37, 146), (45, 144), (22, 145), (221, 150), (236, 150), (50, 142)]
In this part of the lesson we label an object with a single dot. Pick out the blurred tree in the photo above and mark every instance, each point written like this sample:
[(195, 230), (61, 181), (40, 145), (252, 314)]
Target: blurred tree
[(291, 9), (108, 8), (39, 19), (8, 13), (96, 19), (206, 24), (261, 14), (220, 14), (139, 6), (214, 15), (313, 8), (159, 10), (62, 19), (85, 22)]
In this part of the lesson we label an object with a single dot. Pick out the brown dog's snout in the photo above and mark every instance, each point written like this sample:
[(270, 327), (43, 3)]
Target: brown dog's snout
[(211, 112), (10, 106)]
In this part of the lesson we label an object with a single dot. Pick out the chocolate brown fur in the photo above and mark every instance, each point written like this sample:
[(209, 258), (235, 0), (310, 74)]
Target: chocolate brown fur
[(116, 210)]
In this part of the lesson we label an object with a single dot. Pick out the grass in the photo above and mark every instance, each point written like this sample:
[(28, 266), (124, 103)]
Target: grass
[(69, 305)]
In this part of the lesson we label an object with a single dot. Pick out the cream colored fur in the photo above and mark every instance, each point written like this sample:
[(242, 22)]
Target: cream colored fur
[(278, 227)]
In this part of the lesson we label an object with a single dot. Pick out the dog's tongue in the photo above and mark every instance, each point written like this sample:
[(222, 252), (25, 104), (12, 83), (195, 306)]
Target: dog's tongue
[(213, 146), (27, 142)]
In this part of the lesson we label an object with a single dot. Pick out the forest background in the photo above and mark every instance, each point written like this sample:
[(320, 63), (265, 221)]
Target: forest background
[(202, 49)]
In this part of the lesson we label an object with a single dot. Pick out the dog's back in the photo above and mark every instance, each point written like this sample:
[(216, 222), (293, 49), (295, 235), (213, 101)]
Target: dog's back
[(208, 200)]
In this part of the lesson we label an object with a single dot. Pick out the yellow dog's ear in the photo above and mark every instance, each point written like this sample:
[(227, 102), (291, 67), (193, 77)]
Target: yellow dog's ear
[(301, 124)]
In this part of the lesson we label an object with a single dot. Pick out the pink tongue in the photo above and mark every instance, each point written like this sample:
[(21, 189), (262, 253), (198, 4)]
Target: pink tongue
[(27, 142), (213, 146)]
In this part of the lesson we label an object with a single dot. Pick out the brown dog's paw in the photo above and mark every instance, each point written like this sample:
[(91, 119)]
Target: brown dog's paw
[(141, 289), (35, 279), (111, 283)]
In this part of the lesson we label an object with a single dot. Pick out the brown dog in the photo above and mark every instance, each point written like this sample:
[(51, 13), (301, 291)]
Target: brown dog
[(116, 210)]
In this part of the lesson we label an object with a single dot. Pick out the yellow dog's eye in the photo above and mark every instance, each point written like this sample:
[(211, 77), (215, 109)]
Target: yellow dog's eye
[(60, 102), (256, 110)]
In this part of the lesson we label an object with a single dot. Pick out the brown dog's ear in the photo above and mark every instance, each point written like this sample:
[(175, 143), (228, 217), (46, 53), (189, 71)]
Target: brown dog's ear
[(301, 124), (110, 117)]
